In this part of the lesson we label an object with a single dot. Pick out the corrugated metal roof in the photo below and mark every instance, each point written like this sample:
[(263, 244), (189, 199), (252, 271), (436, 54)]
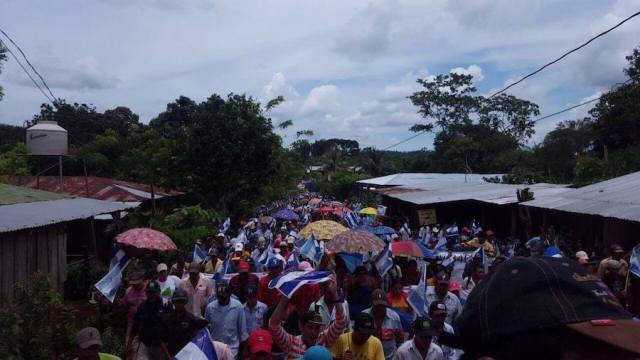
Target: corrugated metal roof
[(34, 214), (99, 188), (439, 192), (412, 179), (616, 198), (10, 194)]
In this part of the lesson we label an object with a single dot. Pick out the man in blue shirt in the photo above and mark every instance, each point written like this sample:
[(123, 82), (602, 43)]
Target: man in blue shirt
[(226, 318), (254, 310)]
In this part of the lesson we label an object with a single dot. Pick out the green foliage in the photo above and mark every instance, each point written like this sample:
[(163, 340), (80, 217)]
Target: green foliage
[(81, 277), (274, 102), (342, 185), (285, 124), (345, 146), (36, 325), (14, 162), (10, 135), (372, 161)]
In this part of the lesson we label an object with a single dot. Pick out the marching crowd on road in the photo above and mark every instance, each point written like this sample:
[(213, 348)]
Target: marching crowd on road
[(274, 292)]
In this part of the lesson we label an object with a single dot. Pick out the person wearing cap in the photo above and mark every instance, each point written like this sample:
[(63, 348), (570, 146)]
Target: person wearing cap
[(478, 241), (317, 352), (213, 263), (359, 344), (309, 324), (89, 342), (181, 325), (168, 283), (133, 297), (388, 327), (471, 281), (440, 292), (254, 310), (259, 345), (149, 326), (270, 296), (421, 347), (198, 289), (239, 283), (616, 252), (239, 254), (227, 323), (181, 268), (263, 231), (325, 306), (437, 315), (545, 308)]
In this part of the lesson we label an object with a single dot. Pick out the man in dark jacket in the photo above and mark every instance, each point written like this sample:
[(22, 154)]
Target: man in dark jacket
[(149, 327), (181, 325)]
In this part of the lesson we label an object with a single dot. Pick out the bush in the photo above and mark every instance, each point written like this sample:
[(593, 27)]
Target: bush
[(81, 277)]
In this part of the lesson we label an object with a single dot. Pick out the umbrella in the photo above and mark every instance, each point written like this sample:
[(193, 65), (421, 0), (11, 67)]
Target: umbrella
[(369, 211), (145, 238), (265, 219), (325, 209), (383, 230), (406, 248), (336, 204), (355, 242), (322, 230), (285, 214), (314, 201), (367, 228)]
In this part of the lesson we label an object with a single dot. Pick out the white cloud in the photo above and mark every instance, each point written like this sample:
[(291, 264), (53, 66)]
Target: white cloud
[(323, 98), (279, 86), (474, 70)]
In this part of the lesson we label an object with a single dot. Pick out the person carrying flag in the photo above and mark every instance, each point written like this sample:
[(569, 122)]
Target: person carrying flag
[(309, 324)]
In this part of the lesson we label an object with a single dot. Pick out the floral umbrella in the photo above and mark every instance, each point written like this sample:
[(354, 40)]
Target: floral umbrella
[(322, 230), (285, 214), (352, 241), (146, 238)]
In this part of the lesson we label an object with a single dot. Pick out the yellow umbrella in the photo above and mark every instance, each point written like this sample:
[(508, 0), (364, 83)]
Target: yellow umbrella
[(369, 211), (322, 230)]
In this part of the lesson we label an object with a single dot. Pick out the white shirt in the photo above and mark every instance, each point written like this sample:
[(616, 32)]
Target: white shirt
[(409, 351), (451, 301), (448, 352), (168, 287)]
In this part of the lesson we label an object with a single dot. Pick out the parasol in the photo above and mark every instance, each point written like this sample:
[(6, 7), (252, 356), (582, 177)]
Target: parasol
[(146, 238), (369, 211), (285, 214), (325, 209), (322, 230), (355, 242), (406, 248)]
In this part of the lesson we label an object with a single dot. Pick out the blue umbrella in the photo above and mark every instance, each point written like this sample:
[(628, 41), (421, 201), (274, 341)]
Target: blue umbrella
[(367, 228), (285, 214), (376, 230)]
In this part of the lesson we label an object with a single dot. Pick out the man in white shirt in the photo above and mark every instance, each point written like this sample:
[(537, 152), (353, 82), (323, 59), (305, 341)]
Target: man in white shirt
[(440, 292), (420, 347), (437, 313), (168, 283)]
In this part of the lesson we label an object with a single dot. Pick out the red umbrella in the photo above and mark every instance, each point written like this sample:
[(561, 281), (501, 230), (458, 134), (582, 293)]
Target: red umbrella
[(406, 248), (145, 238), (325, 209)]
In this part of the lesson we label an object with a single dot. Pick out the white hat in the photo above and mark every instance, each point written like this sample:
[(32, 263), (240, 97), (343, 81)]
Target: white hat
[(291, 240), (88, 336), (582, 255), (162, 267), (239, 246)]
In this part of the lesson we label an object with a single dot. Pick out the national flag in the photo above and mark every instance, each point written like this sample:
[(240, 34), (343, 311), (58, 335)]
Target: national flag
[(384, 262), (292, 263), (199, 255), (266, 255), (381, 210), (110, 283), (199, 348), (441, 245), (288, 283), (475, 229), (224, 227), (241, 238), (312, 250), (418, 296), (351, 218), (224, 269), (426, 252), (405, 232), (448, 260), (634, 261), (116, 255), (352, 260)]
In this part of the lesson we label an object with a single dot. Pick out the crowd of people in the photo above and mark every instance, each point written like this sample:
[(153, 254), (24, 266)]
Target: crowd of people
[(363, 314)]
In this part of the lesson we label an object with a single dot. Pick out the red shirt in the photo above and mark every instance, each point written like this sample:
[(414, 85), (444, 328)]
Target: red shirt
[(303, 297), (268, 296), (239, 287)]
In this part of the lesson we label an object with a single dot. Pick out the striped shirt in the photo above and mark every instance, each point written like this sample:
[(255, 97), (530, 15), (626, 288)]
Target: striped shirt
[(293, 345)]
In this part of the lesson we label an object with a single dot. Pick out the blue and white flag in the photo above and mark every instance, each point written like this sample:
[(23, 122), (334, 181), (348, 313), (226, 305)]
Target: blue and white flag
[(381, 210), (199, 255), (224, 269), (288, 283), (634, 261), (352, 260), (110, 283), (448, 260), (242, 237), (199, 348), (266, 255), (426, 252), (224, 227), (351, 218), (418, 296), (405, 232), (384, 262), (475, 229), (117, 255), (312, 250), (292, 263), (441, 245)]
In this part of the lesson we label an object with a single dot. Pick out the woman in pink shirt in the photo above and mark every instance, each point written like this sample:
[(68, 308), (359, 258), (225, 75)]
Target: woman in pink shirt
[(133, 296)]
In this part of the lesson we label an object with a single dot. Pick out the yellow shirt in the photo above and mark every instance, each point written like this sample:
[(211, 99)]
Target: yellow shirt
[(370, 350), (488, 247)]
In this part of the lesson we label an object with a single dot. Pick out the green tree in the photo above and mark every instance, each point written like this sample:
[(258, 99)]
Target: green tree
[(372, 161), (14, 162)]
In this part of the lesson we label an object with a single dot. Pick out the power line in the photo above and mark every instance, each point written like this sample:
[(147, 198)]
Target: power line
[(27, 72), (567, 53), (29, 63), (405, 140)]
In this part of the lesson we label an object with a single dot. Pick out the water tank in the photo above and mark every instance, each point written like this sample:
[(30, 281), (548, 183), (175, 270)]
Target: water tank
[(46, 138)]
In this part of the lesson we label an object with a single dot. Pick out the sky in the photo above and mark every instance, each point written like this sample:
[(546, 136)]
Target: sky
[(345, 68)]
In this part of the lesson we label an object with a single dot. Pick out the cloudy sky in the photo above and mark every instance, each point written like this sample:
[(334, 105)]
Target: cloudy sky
[(344, 67)]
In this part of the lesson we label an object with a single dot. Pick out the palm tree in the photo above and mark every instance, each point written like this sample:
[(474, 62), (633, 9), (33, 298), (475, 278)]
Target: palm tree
[(372, 161), (333, 161)]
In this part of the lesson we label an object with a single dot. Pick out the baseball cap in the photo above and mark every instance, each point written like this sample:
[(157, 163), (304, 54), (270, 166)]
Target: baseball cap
[(180, 295), (582, 255), (162, 267), (222, 286), (442, 277), (422, 326), (437, 306), (291, 240), (317, 352), (88, 336), (239, 246), (363, 323), (243, 267), (220, 235), (454, 286), (251, 290), (194, 267), (312, 317), (531, 294), (274, 262), (378, 297), (259, 341)]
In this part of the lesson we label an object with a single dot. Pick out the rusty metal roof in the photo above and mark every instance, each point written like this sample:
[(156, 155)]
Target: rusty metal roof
[(94, 187), (615, 198)]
